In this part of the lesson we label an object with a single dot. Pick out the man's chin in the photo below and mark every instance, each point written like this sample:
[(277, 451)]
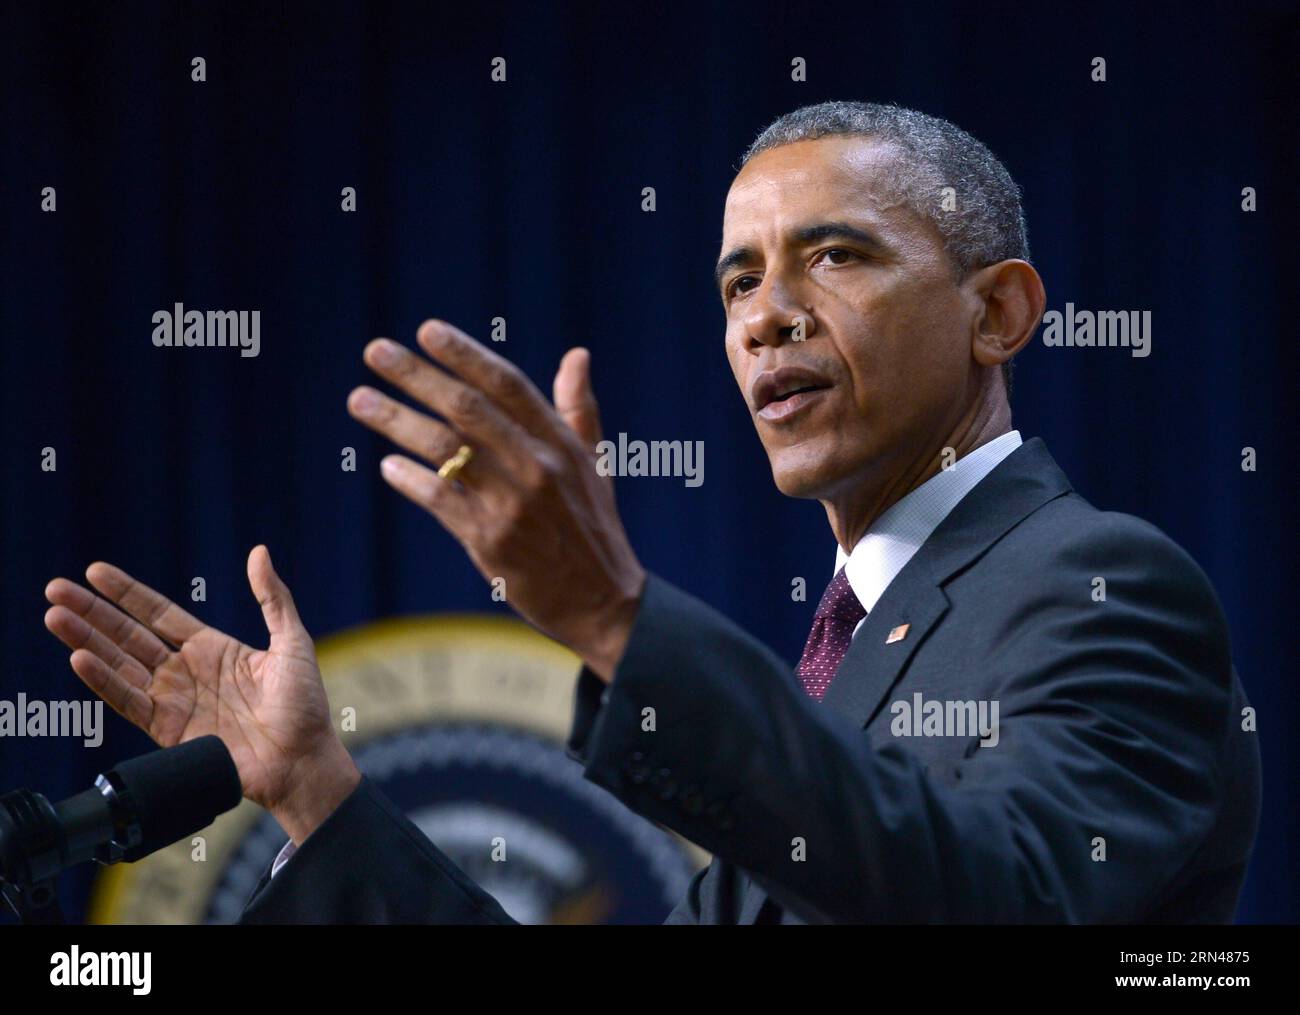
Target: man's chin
[(803, 472), (807, 480)]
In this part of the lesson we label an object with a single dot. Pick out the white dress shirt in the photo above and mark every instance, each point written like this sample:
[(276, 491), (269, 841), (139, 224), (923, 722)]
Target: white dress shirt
[(899, 532), (282, 858), (890, 542)]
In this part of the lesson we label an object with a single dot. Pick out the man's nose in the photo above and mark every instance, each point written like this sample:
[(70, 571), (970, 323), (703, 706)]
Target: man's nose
[(775, 315)]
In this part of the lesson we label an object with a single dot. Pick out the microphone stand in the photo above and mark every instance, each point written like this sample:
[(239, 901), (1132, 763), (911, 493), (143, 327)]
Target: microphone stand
[(36, 904), (28, 827)]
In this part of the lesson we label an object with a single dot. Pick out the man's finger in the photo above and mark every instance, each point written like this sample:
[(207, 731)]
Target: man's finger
[(129, 702), (575, 401), (422, 435), (76, 633), (131, 636), (156, 612), (273, 595), (469, 410), (503, 382), (453, 508)]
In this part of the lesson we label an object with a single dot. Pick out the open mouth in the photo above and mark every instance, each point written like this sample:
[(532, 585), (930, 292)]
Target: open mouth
[(779, 394), (787, 405), (797, 391)]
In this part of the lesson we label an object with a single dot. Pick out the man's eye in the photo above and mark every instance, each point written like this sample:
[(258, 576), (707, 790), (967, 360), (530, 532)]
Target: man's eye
[(735, 288), (838, 255)]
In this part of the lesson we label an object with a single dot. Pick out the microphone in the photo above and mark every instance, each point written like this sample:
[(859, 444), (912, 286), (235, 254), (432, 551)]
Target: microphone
[(138, 807)]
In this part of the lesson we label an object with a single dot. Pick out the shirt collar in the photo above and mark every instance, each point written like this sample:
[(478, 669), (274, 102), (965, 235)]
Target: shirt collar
[(898, 533)]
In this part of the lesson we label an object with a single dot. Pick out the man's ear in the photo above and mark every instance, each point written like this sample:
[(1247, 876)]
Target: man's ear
[(1013, 298)]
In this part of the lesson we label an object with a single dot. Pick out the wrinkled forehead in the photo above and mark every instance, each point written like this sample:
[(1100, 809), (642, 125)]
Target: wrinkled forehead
[(831, 177)]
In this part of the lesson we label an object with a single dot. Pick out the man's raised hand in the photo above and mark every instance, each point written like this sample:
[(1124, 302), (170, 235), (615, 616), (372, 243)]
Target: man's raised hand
[(177, 679), (530, 507)]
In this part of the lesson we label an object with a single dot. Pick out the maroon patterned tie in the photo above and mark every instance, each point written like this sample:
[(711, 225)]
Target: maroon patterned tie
[(837, 615)]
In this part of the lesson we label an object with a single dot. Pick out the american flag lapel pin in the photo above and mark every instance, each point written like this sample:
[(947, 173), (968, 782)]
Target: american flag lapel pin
[(897, 634)]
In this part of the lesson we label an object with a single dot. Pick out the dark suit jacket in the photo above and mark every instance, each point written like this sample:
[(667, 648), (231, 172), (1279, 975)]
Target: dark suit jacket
[(1122, 788)]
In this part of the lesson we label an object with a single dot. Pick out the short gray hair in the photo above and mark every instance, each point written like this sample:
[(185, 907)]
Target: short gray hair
[(990, 226)]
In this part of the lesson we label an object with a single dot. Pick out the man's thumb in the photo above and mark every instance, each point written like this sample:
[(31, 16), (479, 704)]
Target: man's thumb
[(273, 595), (574, 399)]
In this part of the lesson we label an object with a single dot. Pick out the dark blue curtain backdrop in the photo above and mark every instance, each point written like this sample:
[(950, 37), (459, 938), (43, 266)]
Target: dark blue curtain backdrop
[(523, 200)]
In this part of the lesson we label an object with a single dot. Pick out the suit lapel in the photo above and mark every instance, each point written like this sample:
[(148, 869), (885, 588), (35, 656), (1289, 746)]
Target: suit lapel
[(873, 664), (1020, 484)]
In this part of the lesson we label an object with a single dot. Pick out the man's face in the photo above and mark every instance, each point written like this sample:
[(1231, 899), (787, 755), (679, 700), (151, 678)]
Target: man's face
[(885, 369)]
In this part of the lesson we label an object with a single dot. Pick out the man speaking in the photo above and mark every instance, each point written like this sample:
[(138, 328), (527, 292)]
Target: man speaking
[(973, 733)]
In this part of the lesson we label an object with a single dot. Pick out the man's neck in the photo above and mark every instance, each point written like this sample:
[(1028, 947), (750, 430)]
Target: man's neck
[(852, 515)]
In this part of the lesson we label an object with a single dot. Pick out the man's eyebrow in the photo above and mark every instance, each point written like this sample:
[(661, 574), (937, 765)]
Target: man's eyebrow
[(813, 233), (733, 259), (837, 231)]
